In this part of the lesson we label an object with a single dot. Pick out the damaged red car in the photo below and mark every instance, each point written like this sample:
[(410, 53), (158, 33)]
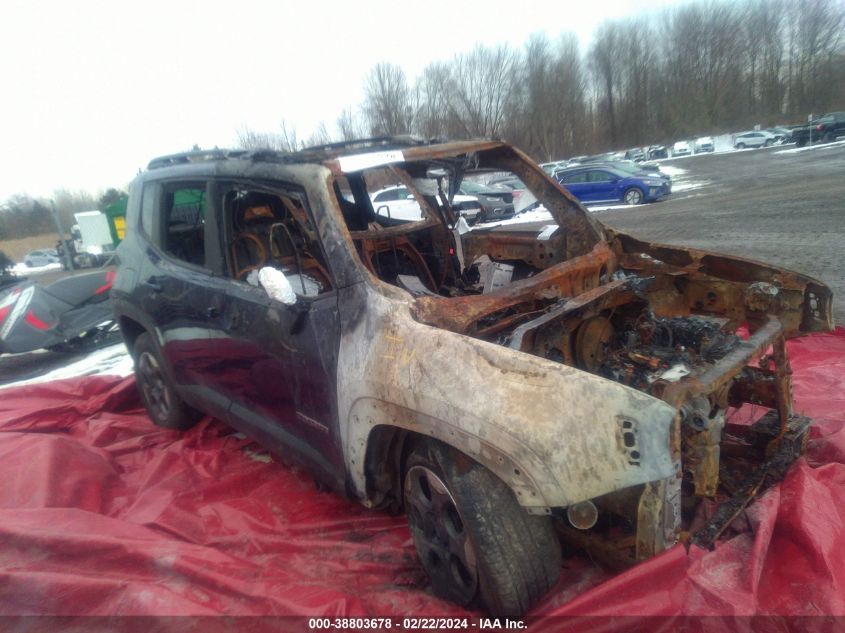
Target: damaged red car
[(507, 385)]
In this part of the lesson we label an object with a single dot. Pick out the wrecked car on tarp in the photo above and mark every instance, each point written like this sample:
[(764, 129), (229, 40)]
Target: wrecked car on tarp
[(505, 385)]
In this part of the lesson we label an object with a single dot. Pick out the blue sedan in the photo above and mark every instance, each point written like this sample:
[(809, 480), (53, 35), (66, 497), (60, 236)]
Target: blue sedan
[(594, 185)]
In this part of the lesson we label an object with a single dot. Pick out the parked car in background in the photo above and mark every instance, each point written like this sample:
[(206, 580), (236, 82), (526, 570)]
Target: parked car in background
[(618, 158), (657, 151), (635, 169), (553, 166), (782, 135), (43, 257), (511, 182), (397, 203), (641, 170), (635, 154), (824, 129), (681, 148), (754, 138), (594, 184), (602, 158), (704, 144), (496, 202)]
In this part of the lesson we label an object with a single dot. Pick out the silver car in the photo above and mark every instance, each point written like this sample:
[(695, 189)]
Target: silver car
[(43, 257)]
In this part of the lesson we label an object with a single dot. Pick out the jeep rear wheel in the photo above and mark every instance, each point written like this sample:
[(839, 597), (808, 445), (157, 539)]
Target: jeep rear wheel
[(164, 406), (477, 544)]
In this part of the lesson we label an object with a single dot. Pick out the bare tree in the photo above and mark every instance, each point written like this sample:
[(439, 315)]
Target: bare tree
[(480, 89), (816, 37), (431, 102), (320, 136), (605, 57), (548, 118), (349, 125), (387, 100)]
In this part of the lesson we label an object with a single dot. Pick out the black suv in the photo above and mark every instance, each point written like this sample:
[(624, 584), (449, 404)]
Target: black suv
[(824, 129), (502, 385)]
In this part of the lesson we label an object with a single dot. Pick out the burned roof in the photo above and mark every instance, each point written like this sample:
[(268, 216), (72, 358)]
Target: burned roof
[(422, 148)]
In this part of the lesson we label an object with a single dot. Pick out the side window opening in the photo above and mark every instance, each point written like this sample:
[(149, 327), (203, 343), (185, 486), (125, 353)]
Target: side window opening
[(184, 226), (269, 229)]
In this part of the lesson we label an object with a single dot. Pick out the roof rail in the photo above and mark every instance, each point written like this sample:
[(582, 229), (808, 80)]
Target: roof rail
[(196, 156), (401, 140), (317, 152)]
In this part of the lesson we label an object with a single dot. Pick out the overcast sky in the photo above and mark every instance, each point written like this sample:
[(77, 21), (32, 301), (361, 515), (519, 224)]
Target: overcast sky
[(93, 90)]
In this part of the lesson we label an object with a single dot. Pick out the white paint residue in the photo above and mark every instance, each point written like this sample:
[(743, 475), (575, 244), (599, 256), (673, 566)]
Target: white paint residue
[(547, 232), (675, 373), (113, 360), (357, 162)]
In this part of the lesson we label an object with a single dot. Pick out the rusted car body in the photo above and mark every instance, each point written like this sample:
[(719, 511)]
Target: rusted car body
[(594, 381), (526, 389)]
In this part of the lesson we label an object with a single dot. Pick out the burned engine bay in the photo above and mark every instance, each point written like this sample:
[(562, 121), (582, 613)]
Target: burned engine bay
[(663, 320)]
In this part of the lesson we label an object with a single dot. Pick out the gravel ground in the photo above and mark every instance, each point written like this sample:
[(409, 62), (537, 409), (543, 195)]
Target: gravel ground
[(776, 205)]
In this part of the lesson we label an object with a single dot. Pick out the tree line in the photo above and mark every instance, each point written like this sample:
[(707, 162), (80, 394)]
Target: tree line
[(26, 216), (706, 67)]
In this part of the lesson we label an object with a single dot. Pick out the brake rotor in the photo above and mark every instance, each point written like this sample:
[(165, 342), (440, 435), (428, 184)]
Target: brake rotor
[(592, 342)]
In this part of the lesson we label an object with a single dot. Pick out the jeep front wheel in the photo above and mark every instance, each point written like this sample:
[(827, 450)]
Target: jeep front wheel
[(477, 544)]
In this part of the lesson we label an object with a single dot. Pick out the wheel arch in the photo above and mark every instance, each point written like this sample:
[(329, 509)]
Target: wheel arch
[(131, 330), (388, 433)]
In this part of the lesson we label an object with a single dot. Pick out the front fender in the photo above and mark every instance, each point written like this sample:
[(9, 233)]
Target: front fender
[(556, 435)]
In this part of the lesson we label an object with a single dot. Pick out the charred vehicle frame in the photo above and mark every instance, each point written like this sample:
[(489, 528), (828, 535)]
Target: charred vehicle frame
[(506, 386)]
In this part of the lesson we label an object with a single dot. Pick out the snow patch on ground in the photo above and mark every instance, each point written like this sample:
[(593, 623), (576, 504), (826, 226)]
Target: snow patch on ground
[(679, 179), (808, 148), (671, 170), (688, 186), (615, 207), (113, 360)]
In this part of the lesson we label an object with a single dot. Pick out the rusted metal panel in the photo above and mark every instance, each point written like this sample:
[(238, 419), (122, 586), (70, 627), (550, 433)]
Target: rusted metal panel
[(560, 427), (740, 289)]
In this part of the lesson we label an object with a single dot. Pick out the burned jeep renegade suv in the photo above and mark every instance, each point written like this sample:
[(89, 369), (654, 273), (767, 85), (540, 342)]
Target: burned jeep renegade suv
[(507, 385)]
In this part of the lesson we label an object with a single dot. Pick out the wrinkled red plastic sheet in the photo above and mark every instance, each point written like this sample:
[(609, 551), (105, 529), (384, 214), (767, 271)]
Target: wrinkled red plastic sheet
[(103, 513)]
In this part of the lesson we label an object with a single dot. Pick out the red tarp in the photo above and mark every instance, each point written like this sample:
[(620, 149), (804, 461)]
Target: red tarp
[(103, 513)]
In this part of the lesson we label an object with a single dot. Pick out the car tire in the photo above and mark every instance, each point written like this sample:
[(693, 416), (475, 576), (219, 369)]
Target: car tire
[(477, 544), (165, 407), (768, 143), (740, 146), (800, 142), (632, 196), (827, 138)]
